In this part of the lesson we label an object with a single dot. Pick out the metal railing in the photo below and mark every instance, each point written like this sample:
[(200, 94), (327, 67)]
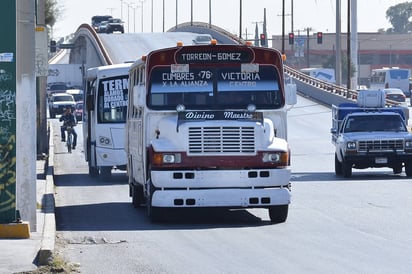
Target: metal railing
[(328, 87)]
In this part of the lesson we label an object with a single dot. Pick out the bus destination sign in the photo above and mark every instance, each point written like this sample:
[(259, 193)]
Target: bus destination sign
[(214, 56)]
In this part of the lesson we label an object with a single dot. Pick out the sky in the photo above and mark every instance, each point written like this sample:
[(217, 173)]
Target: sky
[(318, 15)]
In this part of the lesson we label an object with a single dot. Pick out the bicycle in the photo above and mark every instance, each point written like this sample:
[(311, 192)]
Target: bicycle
[(69, 140)]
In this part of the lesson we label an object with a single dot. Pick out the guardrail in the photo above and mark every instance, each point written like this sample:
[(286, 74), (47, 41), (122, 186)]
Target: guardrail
[(326, 86), (343, 92)]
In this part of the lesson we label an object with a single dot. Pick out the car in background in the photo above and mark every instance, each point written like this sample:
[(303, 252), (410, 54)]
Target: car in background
[(59, 102), (202, 39), (77, 94), (395, 94), (97, 19), (102, 28), (56, 88), (78, 111), (114, 24)]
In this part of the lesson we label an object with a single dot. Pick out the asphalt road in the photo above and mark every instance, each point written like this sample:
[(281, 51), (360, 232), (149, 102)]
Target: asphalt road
[(335, 225)]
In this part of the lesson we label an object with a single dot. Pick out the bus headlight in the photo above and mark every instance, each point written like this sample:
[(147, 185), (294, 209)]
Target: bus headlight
[(276, 157), (251, 108), (180, 108), (167, 158)]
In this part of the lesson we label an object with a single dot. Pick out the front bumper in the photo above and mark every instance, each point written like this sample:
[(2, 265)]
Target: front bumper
[(235, 198), (378, 159)]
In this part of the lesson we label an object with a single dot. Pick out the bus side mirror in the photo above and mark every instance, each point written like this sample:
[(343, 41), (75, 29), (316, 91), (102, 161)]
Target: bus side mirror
[(90, 102), (291, 94)]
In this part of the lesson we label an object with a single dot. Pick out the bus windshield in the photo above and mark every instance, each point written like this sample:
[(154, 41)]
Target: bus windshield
[(112, 99), (234, 86)]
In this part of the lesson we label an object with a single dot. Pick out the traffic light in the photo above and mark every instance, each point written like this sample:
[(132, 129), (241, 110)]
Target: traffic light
[(262, 39), (319, 36), (53, 46), (291, 38)]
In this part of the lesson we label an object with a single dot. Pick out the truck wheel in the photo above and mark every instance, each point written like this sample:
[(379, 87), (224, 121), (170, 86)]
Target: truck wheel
[(408, 169), (278, 214), (397, 169), (346, 169), (338, 166)]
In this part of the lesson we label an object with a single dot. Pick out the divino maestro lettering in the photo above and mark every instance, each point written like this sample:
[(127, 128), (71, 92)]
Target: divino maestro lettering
[(230, 115), (197, 115)]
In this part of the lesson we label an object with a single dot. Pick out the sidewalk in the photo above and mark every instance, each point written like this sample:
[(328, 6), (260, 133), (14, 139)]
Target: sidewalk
[(19, 255)]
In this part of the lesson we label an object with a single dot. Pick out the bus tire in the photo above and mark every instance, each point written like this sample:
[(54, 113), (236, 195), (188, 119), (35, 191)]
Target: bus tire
[(154, 213), (93, 171), (106, 172), (278, 213), (137, 195)]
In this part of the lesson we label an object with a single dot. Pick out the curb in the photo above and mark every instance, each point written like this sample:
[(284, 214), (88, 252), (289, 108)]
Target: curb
[(46, 250)]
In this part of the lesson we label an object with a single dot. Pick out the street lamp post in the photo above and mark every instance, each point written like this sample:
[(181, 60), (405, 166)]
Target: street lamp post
[(134, 18), (141, 5), (177, 8), (151, 19), (240, 18)]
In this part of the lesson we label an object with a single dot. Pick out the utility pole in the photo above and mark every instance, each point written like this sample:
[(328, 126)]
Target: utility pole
[(8, 125), (264, 28), (41, 74), (348, 60), (240, 19), (283, 26), (307, 47), (256, 35), (338, 59)]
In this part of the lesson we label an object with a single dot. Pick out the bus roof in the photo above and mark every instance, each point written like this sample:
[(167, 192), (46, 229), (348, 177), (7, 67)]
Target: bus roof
[(388, 69), (244, 53)]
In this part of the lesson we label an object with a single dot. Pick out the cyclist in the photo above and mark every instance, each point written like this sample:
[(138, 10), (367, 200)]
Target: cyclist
[(68, 120)]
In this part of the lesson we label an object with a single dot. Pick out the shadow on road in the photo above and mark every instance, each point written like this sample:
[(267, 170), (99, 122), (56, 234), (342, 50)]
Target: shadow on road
[(123, 216)]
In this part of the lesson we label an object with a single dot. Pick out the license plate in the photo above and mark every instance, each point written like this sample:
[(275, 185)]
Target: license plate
[(381, 160)]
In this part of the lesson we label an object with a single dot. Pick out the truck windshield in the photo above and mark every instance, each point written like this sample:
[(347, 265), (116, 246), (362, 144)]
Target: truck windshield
[(215, 88), (374, 123)]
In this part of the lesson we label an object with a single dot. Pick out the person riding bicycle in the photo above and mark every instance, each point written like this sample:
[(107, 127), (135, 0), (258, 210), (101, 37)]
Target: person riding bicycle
[(68, 120)]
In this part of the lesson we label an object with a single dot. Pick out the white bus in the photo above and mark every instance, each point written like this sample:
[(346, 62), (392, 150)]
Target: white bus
[(207, 127), (324, 74), (105, 117), (391, 78)]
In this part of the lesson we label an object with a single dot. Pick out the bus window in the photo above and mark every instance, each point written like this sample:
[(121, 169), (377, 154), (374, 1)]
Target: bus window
[(112, 99), (233, 88), (261, 88)]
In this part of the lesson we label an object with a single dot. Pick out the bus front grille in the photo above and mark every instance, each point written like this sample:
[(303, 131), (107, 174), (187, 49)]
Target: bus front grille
[(221, 140)]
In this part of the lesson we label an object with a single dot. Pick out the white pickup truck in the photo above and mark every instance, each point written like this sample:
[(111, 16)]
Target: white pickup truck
[(369, 134)]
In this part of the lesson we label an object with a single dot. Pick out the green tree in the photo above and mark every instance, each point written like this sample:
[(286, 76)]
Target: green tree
[(331, 61), (52, 12), (398, 16)]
